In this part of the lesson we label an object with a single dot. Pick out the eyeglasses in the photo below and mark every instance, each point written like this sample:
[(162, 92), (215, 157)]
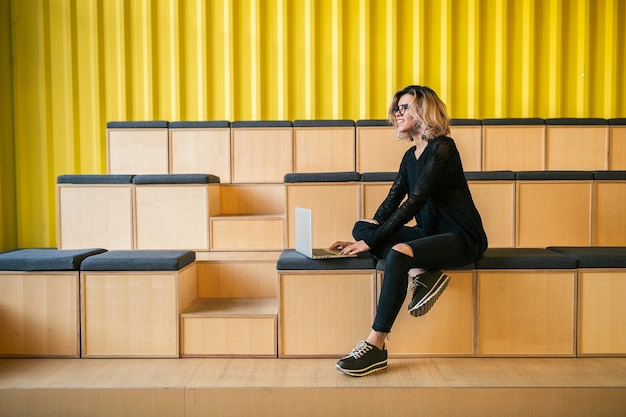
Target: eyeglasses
[(402, 108)]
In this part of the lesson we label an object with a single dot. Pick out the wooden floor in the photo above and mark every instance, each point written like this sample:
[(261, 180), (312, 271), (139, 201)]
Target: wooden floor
[(431, 387)]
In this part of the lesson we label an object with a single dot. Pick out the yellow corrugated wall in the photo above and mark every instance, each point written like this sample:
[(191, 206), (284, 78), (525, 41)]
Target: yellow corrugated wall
[(76, 64)]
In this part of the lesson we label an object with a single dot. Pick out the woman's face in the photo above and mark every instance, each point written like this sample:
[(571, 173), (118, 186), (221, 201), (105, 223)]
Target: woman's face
[(404, 120)]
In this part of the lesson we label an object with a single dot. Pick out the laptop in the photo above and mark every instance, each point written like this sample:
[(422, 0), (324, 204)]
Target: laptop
[(304, 238)]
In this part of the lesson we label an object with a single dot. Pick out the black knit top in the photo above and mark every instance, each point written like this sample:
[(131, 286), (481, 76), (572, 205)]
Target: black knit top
[(438, 197)]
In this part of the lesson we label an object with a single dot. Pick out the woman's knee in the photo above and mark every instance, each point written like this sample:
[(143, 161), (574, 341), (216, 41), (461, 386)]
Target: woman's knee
[(404, 249)]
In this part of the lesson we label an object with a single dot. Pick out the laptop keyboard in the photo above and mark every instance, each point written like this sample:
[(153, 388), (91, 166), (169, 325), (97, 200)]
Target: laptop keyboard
[(323, 252)]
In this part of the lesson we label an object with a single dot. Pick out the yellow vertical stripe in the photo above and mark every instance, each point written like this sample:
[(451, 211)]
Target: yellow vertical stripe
[(528, 64), (282, 57), (8, 214), (582, 53), (363, 68), (554, 67)]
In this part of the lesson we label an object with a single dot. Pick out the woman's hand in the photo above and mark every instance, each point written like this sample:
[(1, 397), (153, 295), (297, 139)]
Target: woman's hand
[(348, 248), (339, 245)]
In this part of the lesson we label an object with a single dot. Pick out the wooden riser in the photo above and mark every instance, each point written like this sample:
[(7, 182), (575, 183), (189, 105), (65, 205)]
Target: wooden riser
[(306, 387), (243, 327)]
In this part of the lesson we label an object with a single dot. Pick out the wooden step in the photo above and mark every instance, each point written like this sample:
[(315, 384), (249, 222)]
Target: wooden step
[(263, 232), (229, 387), (230, 327)]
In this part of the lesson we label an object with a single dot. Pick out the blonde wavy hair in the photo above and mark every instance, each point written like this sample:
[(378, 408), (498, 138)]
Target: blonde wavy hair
[(429, 112)]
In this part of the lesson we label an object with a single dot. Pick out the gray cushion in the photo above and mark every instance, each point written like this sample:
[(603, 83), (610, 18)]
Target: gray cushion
[(373, 122), (289, 259), (94, 179), (323, 123), (45, 259), (210, 124), (514, 122), (261, 123), (322, 177), (524, 258), (139, 260), (139, 124), (572, 121), (378, 176), (554, 175), (465, 122), (595, 256), (609, 175), (490, 176), (176, 179), (618, 121)]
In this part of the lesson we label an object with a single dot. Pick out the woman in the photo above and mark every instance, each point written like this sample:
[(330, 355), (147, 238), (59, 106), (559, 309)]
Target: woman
[(449, 232)]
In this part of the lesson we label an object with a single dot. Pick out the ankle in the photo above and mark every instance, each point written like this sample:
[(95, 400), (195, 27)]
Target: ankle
[(377, 339)]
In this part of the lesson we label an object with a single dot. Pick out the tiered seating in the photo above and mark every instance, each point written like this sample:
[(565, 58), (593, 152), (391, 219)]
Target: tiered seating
[(228, 190)]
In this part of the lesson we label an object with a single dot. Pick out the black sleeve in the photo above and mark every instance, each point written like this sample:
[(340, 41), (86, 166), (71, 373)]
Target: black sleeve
[(428, 178)]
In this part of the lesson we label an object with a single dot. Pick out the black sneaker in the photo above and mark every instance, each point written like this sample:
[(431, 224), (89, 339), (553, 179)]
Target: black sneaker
[(426, 289), (364, 359)]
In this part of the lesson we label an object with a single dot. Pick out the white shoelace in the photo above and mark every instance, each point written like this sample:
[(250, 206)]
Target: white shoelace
[(361, 349), (415, 282)]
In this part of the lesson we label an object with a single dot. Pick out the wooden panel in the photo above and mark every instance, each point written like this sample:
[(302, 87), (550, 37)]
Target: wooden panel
[(610, 213), (174, 216), (39, 314), (187, 286), (252, 199), (617, 148), (95, 216), (262, 155), (373, 195), (324, 313), (234, 279), (335, 208), (95, 402), (129, 314), (583, 148), (324, 149), (469, 141), (526, 312), (237, 233), (230, 327), (378, 150), (514, 148), (553, 213), (495, 201), (201, 151), (602, 312), (447, 329), (137, 151)]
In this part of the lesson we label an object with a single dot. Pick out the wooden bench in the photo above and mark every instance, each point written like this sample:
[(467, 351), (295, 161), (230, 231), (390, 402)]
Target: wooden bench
[(334, 199), (601, 293), (95, 211), (39, 302), (172, 211), (325, 306), (127, 140), (526, 303), (131, 302)]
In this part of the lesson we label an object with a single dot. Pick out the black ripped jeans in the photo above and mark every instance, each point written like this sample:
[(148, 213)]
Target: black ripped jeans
[(441, 251)]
